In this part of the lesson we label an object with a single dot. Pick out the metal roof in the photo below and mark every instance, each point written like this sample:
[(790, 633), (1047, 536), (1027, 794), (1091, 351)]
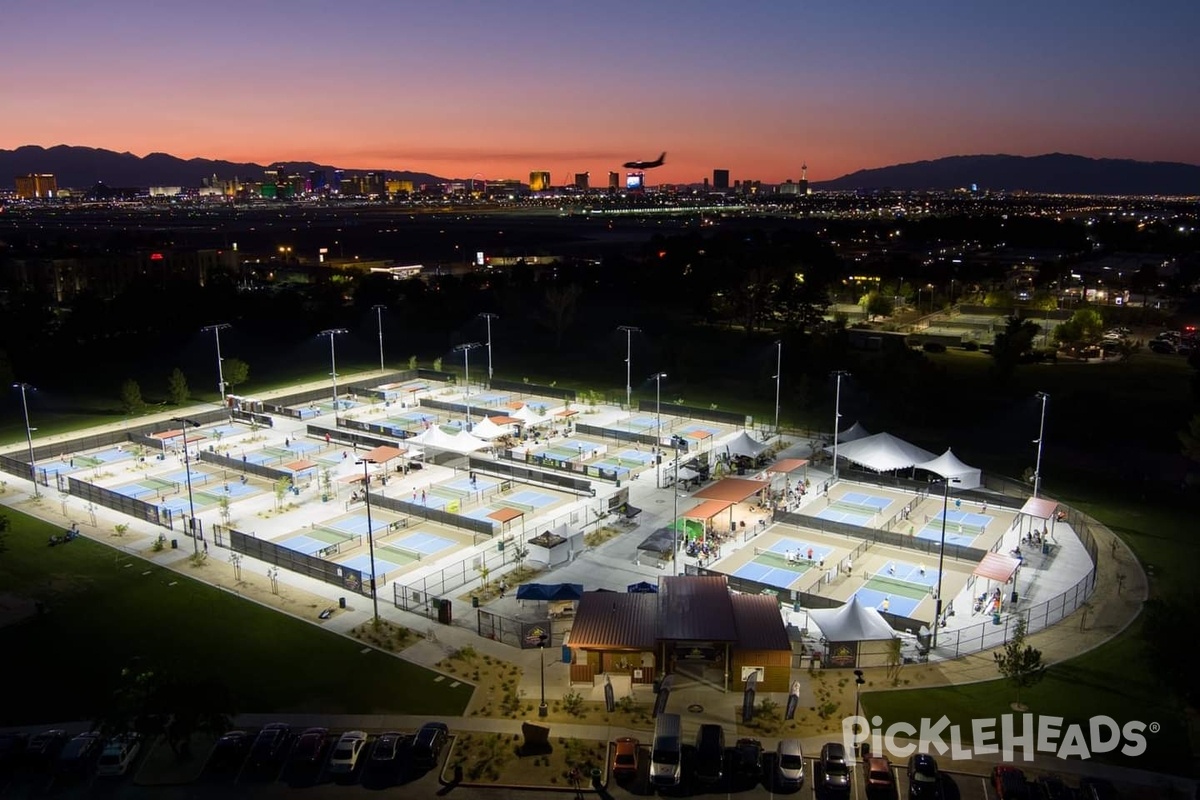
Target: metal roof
[(733, 490), (759, 625), (609, 619), (708, 509), (696, 608)]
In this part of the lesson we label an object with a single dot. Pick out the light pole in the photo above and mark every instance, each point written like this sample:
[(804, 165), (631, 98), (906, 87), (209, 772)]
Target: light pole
[(378, 309), (489, 316), (937, 616), (187, 466), (778, 377), (331, 332), (216, 329), (658, 376), (1037, 470), (629, 332), (837, 417), (466, 349), (858, 684), (366, 462), (25, 387), (675, 519), (542, 709)]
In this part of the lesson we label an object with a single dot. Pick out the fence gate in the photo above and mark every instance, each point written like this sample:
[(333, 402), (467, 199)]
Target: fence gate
[(418, 601)]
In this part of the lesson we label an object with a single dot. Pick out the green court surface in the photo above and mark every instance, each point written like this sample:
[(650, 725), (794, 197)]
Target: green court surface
[(101, 615), (913, 591), (773, 559)]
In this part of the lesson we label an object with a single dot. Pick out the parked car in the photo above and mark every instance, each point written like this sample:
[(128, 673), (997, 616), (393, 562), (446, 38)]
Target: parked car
[(310, 748), (924, 781), (1097, 789), (625, 757), (877, 773), (346, 752), (789, 764), (1051, 787), (428, 743), (710, 753), (270, 745), (1162, 346), (118, 754), (748, 757), (44, 747), (1009, 783), (229, 751), (387, 749), (835, 771), (80, 753)]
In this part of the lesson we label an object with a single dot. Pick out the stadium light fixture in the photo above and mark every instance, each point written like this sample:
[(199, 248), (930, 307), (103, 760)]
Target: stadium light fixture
[(366, 465), (187, 466), (25, 387), (487, 315), (216, 330), (332, 332), (629, 331)]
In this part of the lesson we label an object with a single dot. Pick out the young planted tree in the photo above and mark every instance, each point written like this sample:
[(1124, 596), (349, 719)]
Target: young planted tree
[(282, 486), (235, 371), (177, 387), (1020, 663), (131, 397)]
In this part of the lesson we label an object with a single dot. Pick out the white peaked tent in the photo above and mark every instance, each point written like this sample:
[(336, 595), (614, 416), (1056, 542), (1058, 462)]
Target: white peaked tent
[(529, 417), (853, 434), (435, 437), (948, 466), (744, 445), (882, 453), (852, 622), (465, 442), (486, 429)]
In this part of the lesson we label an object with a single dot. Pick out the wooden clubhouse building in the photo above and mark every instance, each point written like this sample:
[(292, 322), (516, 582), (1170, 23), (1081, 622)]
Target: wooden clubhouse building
[(693, 625)]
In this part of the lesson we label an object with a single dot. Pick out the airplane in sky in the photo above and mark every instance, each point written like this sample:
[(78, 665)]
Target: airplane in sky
[(646, 164)]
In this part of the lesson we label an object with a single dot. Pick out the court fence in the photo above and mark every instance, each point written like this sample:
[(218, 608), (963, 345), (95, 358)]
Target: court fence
[(549, 462), (252, 418), (419, 594), (505, 468), (130, 506), (692, 412), (15, 466), (876, 536), (379, 429), (339, 575), (242, 465), (532, 389), (619, 435), (346, 435), (477, 527), (522, 633)]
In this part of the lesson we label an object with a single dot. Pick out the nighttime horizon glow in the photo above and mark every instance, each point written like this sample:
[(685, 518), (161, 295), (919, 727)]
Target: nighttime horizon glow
[(471, 88)]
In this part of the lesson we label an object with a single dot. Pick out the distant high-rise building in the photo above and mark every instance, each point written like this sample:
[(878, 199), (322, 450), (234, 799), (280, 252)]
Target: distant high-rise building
[(635, 182), (582, 181), (721, 180), (317, 182), (539, 181), (804, 180), (706, 185), (339, 180), (614, 181), (36, 186)]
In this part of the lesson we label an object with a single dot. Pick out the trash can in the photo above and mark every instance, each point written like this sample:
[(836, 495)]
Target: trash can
[(996, 618), (1013, 599), (796, 606), (1045, 548), (500, 545), (174, 544), (474, 601), (341, 602), (444, 615)]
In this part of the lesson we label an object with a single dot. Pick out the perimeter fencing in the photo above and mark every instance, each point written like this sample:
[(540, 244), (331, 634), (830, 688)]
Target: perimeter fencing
[(242, 465), (420, 593), (520, 633), (549, 462), (22, 469), (618, 435), (119, 502), (347, 435), (251, 418), (876, 536), (692, 412), (376, 428), (522, 389), (339, 575), (509, 469), (477, 527)]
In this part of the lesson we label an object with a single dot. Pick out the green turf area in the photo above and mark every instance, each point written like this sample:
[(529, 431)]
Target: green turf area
[(63, 665), (1104, 681)]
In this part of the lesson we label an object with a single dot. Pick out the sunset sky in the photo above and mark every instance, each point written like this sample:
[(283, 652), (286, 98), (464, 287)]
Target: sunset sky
[(501, 88)]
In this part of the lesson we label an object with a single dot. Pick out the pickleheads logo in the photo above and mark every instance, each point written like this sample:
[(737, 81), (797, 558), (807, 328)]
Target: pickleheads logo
[(1003, 736)]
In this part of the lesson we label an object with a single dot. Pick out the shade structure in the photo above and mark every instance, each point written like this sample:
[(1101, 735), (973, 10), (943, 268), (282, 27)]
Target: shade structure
[(708, 509), (948, 466), (530, 417), (383, 454), (852, 622), (1039, 508), (487, 429), (744, 445), (435, 437), (733, 490), (642, 587), (882, 453), (998, 567), (467, 443), (550, 591)]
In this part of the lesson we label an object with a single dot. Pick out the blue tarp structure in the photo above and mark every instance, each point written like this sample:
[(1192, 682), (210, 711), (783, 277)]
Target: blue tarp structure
[(642, 588), (550, 591)]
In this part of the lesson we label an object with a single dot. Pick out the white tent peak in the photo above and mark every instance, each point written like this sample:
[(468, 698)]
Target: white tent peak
[(882, 453), (948, 465), (745, 445), (528, 416), (486, 429), (852, 622), (461, 442), (853, 434)]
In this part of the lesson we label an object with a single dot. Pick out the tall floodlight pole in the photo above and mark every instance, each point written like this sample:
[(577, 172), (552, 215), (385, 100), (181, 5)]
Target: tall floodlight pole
[(366, 462), (216, 329), (778, 377), (658, 414), (837, 418), (675, 521), (187, 466), (25, 387), (937, 616), (489, 316), (1037, 469), (466, 349), (629, 332), (378, 309), (331, 332)]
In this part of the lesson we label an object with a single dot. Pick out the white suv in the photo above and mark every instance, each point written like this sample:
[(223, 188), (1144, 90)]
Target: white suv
[(346, 751)]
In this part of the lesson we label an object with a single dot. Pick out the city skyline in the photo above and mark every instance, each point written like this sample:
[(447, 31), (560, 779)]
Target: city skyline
[(475, 90)]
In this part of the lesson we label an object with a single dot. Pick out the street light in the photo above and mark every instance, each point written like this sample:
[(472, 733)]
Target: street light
[(778, 376), (657, 378), (378, 309), (629, 331), (542, 709), (216, 329), (675, 520), (487, 315), (366, 462), (858, 684), (331, 332), (937, 617), (1037, 470), (25, 387), (466, 349), (837, 417), (187, 466)]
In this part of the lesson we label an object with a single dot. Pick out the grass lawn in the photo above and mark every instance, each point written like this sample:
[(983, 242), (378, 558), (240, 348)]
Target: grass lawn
[(1106, 681), (63, 665)]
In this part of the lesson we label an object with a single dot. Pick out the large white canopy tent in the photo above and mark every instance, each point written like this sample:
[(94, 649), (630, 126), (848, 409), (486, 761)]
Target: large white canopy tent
[(529, 417), (438, 439), (852, 622), (853, 434), (486, 429), (744, 445), (948, 466), (882, 453)]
